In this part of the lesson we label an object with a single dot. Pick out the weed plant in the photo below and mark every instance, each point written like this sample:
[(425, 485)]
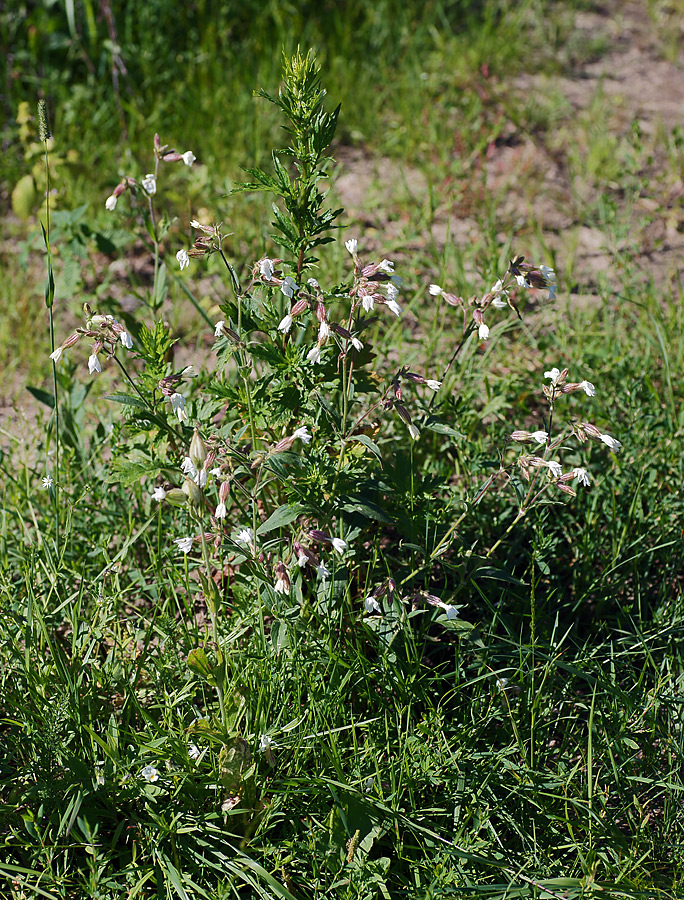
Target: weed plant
[(335, 616)]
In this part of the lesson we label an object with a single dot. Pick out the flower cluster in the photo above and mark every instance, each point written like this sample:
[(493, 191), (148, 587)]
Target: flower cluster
[(106, 332), (148, 184)]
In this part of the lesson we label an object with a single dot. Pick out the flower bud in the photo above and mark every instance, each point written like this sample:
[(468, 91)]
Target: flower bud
[(198, 450), (176, 497), (192, 491)]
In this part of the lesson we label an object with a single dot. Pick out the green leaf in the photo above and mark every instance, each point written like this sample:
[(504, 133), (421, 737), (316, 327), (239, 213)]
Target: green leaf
[(198, 662), (42, 396), (162, 287), (285, 514), (367, 442), (367, 508), (127, 400)]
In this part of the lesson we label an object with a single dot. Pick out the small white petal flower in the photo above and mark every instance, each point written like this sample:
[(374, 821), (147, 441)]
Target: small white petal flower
[(266, 269), (194, 223), (323, 331), (285, 324), (386, 266), (265, 743), (188, 468), (339, 545), (391, 291), (218, 328), (497, 287), (351, 245), (216, 471), (483, 332), (372, 605), (183, 259), (193, 751), (56, 355), (323, 571), (356, 344), (540, 437), (451, 611), (588, 388), (288, 287), (221, 511), (303, 434), (149, 773), (555, 468), (177, 402), (94, 364), (501, 683), (368, 302), (110, 203), (552, 374), (433, 385), (413, 431), (149, 183), (159, 494), (201, 479), (435, 290), (184, 544), (582, 476), (244, 536), (47, 483), (189, 157), (497, 303), (126, 340), (314, 355), (548, 274), (394, 306), (610, 442), (303, 561), (281, 586), (522, 281)]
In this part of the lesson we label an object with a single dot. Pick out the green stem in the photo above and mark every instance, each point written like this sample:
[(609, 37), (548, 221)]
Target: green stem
[(52, 344), (212, 605)]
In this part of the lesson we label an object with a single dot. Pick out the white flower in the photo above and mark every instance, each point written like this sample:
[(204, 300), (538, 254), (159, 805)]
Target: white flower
[(323, 571), (394, 306), (47, 483), (540, 437), (159, 494), (386, 266), (303, 434), (281, 586), (126, 340), (582, 476), (303, 561), (501, 683), (221, 511), (483, 332), (610, 442), (497, 287), (285, 324), (550, 278), (110, 203), (201, 479), (323, 331), (189, 157), (433, 385), (183, 259), (216, 471), (413, 431), (351, 245), (194, 223), (498, 303), (522, 281), (314, 355), (184, 544), (451, 611), (391, 291), (218, 328), (555, 468), (149, 183), (435, 290), (588, 388), (94, 364), (193, 751), (244, 536), (356, 344), (552, 374), (265, 743), (368, 302), (188, 468), (339, 545), (266, 269), (288, 287), (149, 773), (189, 372), (56, 355), (178, 406), (372, 605)]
